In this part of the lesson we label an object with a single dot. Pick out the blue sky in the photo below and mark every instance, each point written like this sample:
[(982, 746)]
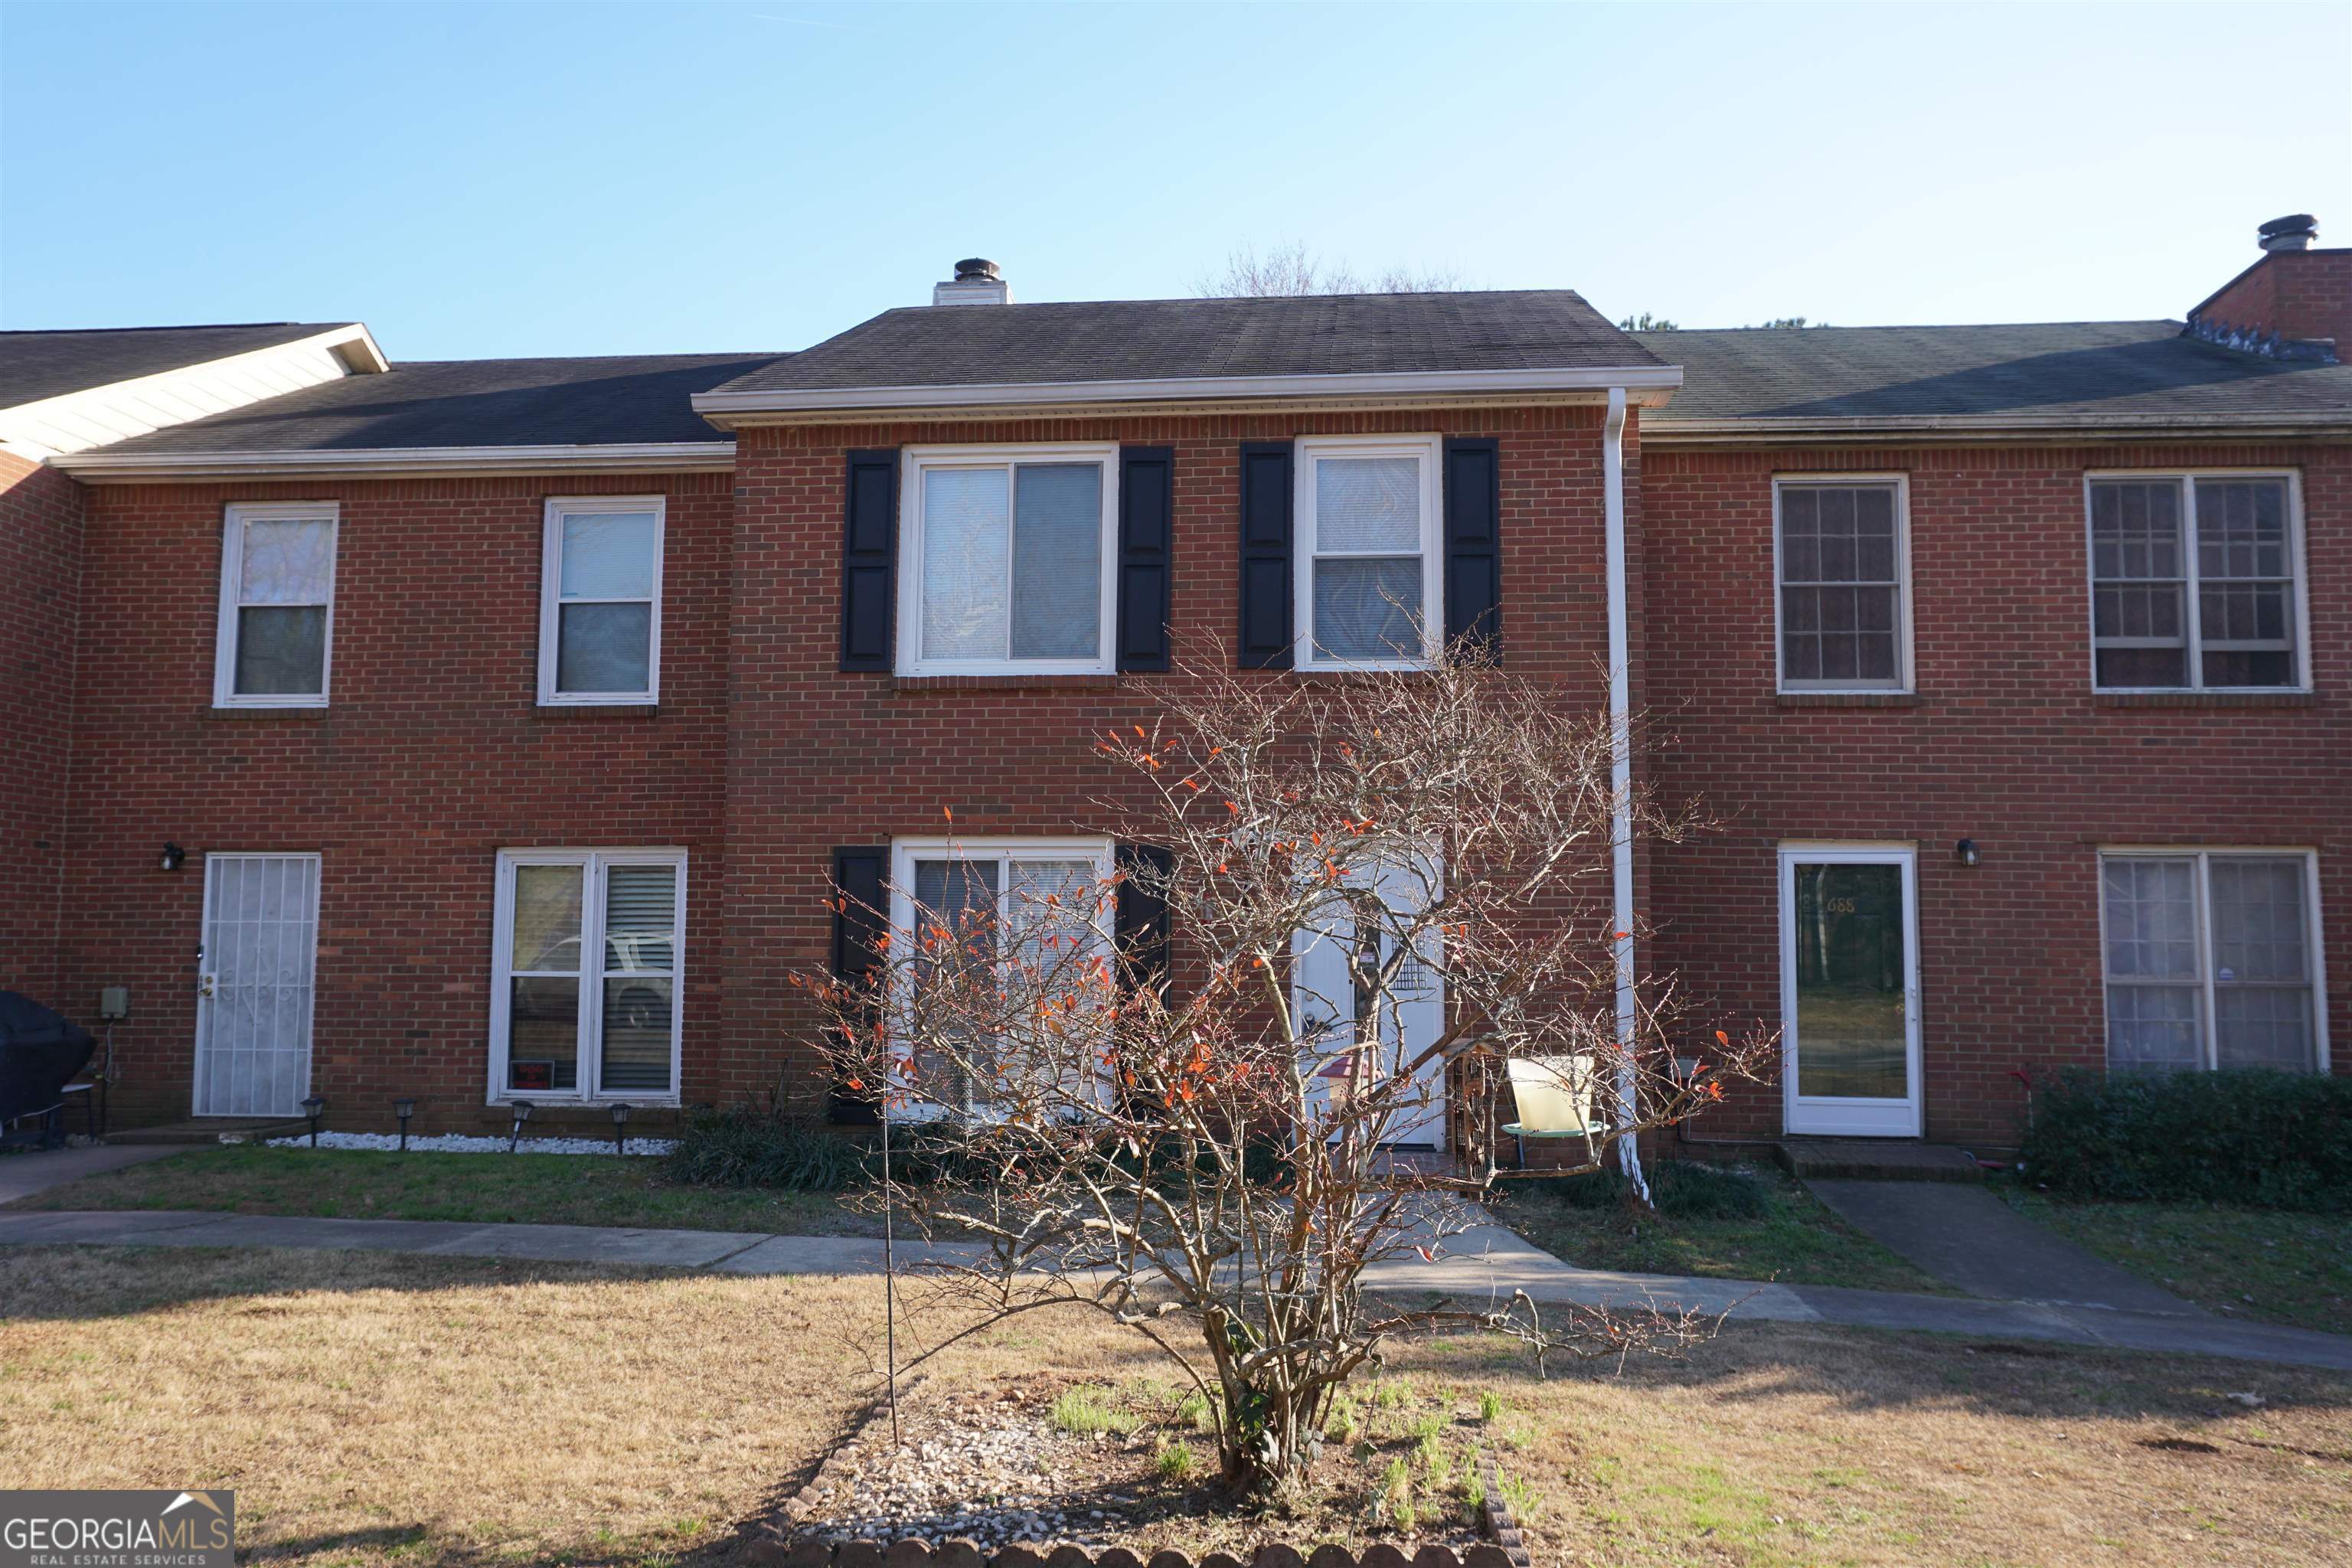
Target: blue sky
[(518, 179)]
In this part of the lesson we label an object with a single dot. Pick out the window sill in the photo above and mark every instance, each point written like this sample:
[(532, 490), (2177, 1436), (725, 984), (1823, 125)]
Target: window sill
[(1003, 682), (597, 710), (1847, 700), (239, 715), (2204, 699)]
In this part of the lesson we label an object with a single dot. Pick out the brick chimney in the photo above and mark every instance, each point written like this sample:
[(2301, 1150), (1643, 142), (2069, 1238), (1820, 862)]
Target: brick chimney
[(2296, 303), (976, 282)]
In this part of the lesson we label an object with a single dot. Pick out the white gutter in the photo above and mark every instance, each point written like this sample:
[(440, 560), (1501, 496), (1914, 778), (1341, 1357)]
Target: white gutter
[(1621, 778), (101, 466), (1670, 429), (1386, 383)]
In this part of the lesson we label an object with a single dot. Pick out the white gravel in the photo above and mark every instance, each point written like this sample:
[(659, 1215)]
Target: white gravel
[(461, 1143)]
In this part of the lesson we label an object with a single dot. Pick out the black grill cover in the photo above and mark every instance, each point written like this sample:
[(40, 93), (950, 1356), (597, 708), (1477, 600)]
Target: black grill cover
[(41, 1050)]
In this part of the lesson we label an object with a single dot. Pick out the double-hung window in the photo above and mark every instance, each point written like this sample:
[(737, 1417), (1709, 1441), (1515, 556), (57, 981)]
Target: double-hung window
[(600, 601), (2196, 582), (1843, 556), (587, 975), (1369, 555), (2212, 960), (277, 606), (1007, 568), (1031, 912)]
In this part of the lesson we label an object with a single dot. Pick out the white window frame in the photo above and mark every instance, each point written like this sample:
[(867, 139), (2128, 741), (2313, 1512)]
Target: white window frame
[(1902, 685), (1430, 451), (232, 599), (913, 463), (905, 852), (551, 598), (2194, 619), (2203, 855), (594, 864)]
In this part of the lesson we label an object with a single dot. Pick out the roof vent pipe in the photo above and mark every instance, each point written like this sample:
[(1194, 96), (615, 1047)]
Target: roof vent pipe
[(2294, 232), (976, 282)]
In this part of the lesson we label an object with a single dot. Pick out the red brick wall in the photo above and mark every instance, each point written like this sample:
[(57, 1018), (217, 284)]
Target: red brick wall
[(40, 586), (433, 757), (2296, 293), (819, 758), (2005, 744)]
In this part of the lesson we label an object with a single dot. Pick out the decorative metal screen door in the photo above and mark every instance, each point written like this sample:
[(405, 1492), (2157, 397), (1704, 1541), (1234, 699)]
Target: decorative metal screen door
[(254, 984), (1850, 991)]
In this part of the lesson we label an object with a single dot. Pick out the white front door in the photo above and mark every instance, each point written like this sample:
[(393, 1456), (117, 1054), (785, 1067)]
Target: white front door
[(254, 984), (1850, 990), (1323, 997)]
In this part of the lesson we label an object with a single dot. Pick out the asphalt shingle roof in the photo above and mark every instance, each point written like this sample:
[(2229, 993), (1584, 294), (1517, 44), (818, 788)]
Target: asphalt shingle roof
[(1140, 339), (38, 364), (472, 403), (2056, 370)]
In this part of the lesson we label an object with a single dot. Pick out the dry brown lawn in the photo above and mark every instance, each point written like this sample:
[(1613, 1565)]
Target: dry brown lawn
[(383, 1410)]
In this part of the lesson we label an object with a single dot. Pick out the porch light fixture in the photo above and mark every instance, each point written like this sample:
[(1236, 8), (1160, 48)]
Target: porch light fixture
[(621, 1109), (523, 1110), (314, 1107), (1965, 851), (403, 1108), (173, 856)]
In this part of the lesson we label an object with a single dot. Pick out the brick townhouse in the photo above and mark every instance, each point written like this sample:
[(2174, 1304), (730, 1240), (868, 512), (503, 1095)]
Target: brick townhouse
[(491, 729)]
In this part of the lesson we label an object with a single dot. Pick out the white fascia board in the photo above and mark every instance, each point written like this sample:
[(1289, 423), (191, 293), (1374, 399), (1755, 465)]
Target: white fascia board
[(120, 410), (1166, 389), (1666, 430), (632, 457)]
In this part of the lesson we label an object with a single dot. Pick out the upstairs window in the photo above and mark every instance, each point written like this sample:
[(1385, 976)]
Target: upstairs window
[(2196, 582), (1369, 551), (1844, 567), (2211, 960), (1008, 570), (600, 601), (277, 606)]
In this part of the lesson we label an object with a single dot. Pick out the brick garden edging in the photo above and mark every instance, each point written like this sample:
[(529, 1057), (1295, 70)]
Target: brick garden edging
[(964, 1554), (770, 1546)]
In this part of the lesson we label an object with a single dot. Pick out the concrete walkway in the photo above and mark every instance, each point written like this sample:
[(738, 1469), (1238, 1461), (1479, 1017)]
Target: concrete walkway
[(38, 1170), (1971, 1240), (1484, 1264)]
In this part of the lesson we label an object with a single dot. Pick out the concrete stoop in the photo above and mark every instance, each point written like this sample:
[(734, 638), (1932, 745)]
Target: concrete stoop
[(1875, 1159)]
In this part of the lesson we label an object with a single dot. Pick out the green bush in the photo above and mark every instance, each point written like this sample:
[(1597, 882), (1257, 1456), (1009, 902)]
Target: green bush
[(2252, 1136), (747, 1148), (1682, 1189)]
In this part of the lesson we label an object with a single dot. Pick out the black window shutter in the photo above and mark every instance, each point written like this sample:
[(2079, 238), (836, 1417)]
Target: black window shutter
[(1265, 628), (1147, 527), (869, 551), (1474, 537), (859, 916), (1142, 915)]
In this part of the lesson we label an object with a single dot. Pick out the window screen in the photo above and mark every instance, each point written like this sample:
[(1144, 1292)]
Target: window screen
[(1841, 586), (282, 576), (2224, 544), (2209, 962), (1012, 564)]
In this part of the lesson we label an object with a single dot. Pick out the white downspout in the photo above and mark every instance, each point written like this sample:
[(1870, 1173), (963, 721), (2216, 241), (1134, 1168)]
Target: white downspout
[(1621, 778)]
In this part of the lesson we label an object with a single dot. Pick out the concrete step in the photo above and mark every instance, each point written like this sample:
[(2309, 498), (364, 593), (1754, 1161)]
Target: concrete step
[(1876, 1160), (211, 1130)]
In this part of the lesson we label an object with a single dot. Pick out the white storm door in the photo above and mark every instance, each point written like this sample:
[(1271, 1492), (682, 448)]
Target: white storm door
[(254, 984), (1850, 991), (1323, 999)]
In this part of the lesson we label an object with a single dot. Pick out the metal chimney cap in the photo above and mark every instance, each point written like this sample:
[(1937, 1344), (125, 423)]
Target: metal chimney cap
[(976, 270), (2294, 232)]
